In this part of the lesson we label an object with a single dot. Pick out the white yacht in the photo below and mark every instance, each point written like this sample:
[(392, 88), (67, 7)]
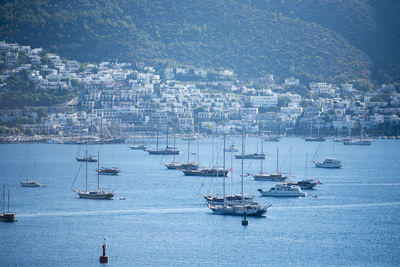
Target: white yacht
[(283, 190), (328, 163), (31, 183)]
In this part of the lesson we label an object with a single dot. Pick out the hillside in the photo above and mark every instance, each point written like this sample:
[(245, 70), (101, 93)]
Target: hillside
[(253, 39)]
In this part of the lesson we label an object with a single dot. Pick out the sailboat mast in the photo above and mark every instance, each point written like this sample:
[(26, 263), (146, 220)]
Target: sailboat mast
[(86, 168), (306, 166), (4, 197), (262, 158), (224, 168), (98, 171), (188, 148), (8, 202), (277, 159), (242, 159), (166, 143), (174, 146), (158, 131)]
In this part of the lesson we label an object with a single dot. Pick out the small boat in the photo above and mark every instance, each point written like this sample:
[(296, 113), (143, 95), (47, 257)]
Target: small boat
[(251, 156), (31, 183), (86, 159), (272, 138), (304, 184), (138, 147), (7, 216), (315, 139), (360, 142), (108, 171), (329, 163), (232, 148), (207, 172), (283, 190)]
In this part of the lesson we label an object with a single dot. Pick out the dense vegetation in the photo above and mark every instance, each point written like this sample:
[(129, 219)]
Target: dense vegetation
[(313, 39)]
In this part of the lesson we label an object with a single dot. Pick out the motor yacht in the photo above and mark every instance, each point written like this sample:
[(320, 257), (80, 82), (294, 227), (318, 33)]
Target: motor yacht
[(328, 163), (283, 190)]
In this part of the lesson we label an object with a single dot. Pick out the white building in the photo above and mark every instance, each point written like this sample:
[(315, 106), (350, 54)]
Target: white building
[(264, 100)]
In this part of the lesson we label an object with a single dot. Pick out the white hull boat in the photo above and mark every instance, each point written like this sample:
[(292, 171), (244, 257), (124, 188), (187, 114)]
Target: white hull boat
[(282, 190)]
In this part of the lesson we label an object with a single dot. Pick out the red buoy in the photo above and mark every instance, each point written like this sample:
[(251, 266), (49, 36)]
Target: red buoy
[(104, 258)]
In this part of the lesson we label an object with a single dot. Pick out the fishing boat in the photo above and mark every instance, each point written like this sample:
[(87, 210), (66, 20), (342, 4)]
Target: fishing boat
[(166, 151), (283, 190), (264, 176), (94, 194), (240, 207), (7, 216)]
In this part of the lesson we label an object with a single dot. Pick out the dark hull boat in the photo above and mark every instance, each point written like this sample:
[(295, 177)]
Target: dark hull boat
[(86, 159), (163, 152), (251, 156), (207, 172), (305, 184), (108, 171), (182, 166), (314, 139), (269, 177)]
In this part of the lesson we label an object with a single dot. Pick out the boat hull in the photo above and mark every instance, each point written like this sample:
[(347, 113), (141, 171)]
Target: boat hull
[(280, 194), (8, 217), (263, 177), (328, 165), (163, 152), (206, 172), (95, 195), (30, 184), (240, 210)]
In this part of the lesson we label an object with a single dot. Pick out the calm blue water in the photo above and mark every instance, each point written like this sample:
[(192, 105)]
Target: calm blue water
[(355, 220)]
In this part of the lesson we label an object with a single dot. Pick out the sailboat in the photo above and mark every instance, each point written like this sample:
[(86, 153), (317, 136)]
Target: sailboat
[(306, 183), (7, 216), (185, 166), (134, 146), (233, 198), (167, 151), (238, 207), (314, 138), (263, 176), (94, 194), (29, 183), (359, 142), (329, 163)]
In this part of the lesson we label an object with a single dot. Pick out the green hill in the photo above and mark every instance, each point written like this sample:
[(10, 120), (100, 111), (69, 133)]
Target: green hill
[(331, 40)]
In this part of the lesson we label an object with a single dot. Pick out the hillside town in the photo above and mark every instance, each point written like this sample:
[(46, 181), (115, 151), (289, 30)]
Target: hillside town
[(118, 100)]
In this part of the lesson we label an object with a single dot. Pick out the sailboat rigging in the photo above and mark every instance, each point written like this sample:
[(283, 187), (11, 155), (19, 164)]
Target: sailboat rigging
[(6, 216), (94, 194)]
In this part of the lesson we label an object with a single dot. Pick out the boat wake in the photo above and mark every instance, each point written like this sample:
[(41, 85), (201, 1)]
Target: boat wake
[(116, 212), (363, 184), (344, 206)]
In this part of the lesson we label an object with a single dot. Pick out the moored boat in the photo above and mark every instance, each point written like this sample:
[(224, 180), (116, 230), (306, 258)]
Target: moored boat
[(31, 183), (329, 163), (283, 190), (7, 216)]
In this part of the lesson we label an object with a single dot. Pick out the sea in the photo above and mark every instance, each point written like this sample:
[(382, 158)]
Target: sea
[(158, 217)]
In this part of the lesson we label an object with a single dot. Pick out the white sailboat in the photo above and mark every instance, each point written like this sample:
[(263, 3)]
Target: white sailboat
[(264, 176), (27, 182), (94, 194), (328, 163), (241, 208)]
